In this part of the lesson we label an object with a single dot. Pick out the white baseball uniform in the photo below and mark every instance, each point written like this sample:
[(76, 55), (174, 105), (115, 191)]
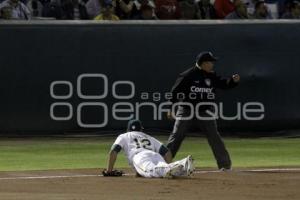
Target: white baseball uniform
[(142, 152)]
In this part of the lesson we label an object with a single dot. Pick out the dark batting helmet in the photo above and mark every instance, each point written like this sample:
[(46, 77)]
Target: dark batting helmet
[(135, 125)]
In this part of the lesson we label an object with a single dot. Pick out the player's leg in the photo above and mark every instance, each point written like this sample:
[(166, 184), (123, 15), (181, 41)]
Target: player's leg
[(180, 128), (216, 143), (179, 168), (150, 164), (187, 166)]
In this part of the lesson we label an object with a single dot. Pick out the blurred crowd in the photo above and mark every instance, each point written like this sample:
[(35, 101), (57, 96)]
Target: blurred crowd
[(148, 9)]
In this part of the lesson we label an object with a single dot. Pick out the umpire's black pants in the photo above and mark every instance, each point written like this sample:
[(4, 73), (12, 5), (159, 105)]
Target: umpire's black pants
[(209, 127)]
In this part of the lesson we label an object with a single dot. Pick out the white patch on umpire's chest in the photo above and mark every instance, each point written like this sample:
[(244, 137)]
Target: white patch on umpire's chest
[(207, 82)]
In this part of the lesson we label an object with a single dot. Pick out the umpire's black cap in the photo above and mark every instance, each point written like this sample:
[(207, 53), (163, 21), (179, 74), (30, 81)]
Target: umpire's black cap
[(205, 56), (135, 125)]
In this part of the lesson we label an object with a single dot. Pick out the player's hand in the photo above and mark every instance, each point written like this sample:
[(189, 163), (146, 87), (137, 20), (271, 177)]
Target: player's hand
[(170, 115), (236, 78), (112, 173)]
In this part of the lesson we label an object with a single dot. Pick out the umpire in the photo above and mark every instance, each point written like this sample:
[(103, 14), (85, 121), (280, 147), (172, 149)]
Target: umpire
[(198, 85)]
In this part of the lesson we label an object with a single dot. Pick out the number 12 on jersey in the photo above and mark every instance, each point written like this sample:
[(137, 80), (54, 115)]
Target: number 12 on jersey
[(143, 143)]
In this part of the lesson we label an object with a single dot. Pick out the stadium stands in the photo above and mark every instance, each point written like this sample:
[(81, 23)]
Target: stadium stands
[(148, 9)]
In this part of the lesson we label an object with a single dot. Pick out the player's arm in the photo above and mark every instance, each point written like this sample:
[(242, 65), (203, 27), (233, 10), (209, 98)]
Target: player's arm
[(178, 87), (111, 162), (113, 154), (227, 83), (114, 150)]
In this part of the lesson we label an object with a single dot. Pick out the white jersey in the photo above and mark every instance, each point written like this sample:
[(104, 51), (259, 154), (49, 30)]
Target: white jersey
[(135, 142)]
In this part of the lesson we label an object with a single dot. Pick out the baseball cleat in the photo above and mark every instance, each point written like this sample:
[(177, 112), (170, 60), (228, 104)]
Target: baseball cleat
[(175, 171), (189, 165), (223, 169)]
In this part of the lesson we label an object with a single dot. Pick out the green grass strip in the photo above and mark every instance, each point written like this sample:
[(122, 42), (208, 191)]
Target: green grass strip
[(44, 154)]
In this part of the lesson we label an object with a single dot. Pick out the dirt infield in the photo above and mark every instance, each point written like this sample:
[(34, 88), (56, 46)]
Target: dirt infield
[(207, 185)]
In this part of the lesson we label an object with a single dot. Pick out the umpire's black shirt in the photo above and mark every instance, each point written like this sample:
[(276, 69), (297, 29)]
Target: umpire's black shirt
[(196, 85)]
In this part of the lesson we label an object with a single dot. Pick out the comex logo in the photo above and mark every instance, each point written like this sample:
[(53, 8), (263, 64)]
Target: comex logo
[(83, 96)]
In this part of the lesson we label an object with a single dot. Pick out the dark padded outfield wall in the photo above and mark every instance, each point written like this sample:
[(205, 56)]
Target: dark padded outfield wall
[(64, 76)]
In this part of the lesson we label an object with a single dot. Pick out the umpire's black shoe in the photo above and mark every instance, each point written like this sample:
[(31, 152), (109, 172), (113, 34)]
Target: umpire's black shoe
[(225, 169)]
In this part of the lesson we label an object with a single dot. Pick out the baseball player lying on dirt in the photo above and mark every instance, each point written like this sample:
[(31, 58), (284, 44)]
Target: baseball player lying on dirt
[(146, 155)]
